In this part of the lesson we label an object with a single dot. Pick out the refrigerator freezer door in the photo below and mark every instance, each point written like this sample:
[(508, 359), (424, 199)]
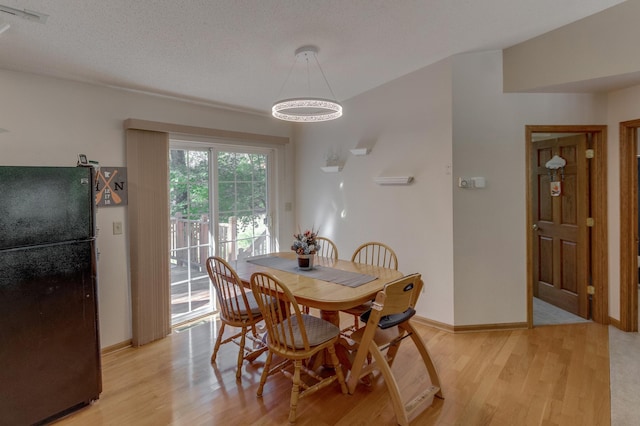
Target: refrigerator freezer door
[(49, 346), (40, 205)]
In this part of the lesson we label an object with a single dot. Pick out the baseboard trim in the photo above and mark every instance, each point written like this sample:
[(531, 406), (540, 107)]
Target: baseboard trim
[(470, 328), (490, 327), (114, 348), (616, 323), (431, 323)]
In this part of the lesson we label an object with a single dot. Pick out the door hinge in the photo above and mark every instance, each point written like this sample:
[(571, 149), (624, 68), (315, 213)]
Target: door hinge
[(590, 153), (590, 222), (591, 289)]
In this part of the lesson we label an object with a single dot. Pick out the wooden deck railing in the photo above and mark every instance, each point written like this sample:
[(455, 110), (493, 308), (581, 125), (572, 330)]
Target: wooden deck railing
[(189, 241)]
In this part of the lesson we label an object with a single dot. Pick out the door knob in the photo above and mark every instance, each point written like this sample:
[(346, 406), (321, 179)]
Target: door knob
[(535, 227)]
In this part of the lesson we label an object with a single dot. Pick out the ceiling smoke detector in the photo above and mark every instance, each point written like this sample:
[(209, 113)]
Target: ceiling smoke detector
[(29, 15)]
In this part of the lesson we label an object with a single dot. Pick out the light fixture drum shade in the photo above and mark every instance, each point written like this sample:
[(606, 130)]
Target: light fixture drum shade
[(306, 109)]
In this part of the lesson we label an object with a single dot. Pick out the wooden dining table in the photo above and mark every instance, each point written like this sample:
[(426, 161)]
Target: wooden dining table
[(326, 296), (329, 297)]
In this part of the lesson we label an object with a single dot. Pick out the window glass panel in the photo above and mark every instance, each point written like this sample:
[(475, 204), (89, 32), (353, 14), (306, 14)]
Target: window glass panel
[(218, 206), (191, 294)]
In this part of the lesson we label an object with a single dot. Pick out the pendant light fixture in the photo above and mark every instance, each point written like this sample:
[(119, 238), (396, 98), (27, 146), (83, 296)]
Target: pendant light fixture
[(307, 109)]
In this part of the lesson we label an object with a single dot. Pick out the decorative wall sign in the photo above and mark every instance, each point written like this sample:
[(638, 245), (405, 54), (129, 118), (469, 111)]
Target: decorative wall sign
[(111, 187)]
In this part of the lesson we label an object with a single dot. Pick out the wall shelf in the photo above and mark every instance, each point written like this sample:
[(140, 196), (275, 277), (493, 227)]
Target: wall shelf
[(360, 151), (331, 169), (393, 180)]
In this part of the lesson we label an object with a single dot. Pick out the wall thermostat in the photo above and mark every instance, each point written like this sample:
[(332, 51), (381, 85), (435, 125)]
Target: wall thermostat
[(472, 183), (478, 182)]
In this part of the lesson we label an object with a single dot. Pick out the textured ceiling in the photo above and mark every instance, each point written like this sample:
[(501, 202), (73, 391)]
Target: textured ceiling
[(238, 53)]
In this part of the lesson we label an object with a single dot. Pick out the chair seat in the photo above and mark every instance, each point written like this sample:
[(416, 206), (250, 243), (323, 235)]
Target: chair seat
[(381, 336), (242, 310), (388, 321), (318, 331), (253, 306), (356, 311)]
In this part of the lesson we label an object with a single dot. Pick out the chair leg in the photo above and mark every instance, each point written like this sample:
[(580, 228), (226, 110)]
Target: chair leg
[(393, 349), (426, 358), (265, 373), (336, 366), (358, 362), (392, 386), (295, 391), (218, 342), (243, 338)]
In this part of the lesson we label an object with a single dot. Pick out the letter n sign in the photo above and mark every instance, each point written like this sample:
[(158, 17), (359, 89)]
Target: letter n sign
[(111, 186)]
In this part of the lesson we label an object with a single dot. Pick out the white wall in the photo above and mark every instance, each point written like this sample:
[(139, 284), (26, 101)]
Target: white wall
[(49, 121), (407, 124), (623, 105), (453, 112), (490, 224), (596, 47), (469, 244)]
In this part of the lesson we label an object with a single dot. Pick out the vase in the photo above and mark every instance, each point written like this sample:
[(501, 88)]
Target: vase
[(305, 261)]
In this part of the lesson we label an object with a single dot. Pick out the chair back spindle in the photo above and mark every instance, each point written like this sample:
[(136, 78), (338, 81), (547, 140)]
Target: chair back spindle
[(377, 254), (327, 248)]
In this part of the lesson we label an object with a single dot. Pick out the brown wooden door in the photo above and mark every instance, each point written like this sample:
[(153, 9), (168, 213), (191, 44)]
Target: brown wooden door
[(561, 239)]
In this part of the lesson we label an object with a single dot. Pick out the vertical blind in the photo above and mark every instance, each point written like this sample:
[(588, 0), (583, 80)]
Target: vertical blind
[(148, 219)]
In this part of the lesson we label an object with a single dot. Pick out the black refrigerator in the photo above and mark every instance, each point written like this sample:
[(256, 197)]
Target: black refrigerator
[(49, 340)]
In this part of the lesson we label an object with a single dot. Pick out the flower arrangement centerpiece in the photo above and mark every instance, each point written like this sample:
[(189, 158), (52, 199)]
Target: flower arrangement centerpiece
[(306, 246)]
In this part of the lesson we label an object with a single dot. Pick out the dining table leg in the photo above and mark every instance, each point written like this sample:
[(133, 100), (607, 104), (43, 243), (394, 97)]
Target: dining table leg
[(342, 348), (332, 316)]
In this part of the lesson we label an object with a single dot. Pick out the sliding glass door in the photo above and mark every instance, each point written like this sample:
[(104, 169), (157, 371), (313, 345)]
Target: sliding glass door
[(219, 204), (242, 213)]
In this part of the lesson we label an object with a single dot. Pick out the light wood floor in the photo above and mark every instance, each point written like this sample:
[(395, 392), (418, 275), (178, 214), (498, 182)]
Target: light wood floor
[(554, 375)]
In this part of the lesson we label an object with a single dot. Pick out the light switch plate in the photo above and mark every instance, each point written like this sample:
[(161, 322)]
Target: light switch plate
[(117, 228)]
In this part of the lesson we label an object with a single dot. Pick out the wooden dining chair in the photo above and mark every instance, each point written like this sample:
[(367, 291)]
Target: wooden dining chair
[(378, 254), (295, 337), (388, 324), (237, 309), (327, 248), (371, 253)]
